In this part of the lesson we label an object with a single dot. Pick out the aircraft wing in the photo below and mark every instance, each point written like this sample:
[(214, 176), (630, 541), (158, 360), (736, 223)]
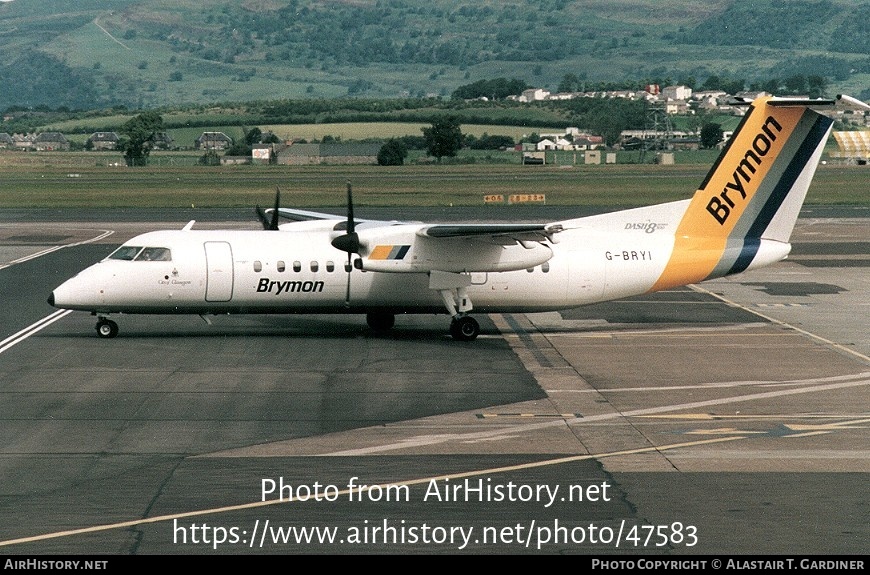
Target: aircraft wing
[(340, 222), (304, 215), (500, 234)]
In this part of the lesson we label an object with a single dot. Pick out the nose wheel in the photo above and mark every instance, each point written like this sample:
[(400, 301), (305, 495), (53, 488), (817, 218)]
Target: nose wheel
[(464, 328), (106, 328)]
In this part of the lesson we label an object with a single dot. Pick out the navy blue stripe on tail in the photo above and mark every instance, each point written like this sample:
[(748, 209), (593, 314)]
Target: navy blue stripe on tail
[(753, 236)]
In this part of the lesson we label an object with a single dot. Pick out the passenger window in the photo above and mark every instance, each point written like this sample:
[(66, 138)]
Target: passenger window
[(154, 255), (281, 266), (314, 266), (258, 266), (330, 266), (126, 253), (297, 266)]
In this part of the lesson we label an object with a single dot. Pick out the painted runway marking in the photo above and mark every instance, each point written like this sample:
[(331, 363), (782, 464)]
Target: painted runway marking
[(428, 440), (717, 417), (17, 338), (514, 415), (46, 251), (827, 342), (346, 492), (725, 384)]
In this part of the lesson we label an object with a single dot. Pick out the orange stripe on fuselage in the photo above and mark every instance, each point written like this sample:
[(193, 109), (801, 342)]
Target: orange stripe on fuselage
[(381, 252), (709, 221)]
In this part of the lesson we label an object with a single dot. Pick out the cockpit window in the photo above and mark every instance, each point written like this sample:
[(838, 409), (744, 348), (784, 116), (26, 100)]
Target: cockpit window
[(154, 255), (140, 254), (125, 253)]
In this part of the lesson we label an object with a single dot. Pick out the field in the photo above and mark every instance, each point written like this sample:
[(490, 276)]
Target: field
[(146, 54), (67, 180)]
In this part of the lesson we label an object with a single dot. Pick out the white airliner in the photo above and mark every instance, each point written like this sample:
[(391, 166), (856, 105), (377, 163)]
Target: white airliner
[(740, 218)]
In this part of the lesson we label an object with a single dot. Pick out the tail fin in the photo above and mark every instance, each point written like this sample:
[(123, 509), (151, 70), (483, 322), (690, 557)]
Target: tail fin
[(753, 192)]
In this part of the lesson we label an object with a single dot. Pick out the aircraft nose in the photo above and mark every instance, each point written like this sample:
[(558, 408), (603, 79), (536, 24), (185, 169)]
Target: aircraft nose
[(51, 299)]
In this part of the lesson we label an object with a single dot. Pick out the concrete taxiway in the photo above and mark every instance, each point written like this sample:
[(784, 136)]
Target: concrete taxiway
[(727, 417)]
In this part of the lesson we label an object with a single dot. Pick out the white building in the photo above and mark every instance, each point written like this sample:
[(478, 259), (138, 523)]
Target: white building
[(534, 95), (676, 93)]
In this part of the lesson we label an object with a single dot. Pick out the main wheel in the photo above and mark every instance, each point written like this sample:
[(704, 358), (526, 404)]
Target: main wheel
[(107, 328), (464, 328), (381, 321)]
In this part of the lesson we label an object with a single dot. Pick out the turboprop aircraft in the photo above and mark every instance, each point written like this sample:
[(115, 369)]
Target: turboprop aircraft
[(739, 219)]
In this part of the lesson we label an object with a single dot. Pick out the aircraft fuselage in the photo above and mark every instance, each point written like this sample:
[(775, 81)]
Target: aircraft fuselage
[(217, 272)]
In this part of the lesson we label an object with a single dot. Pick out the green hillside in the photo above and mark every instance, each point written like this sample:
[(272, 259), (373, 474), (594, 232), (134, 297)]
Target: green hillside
[(86, 54)]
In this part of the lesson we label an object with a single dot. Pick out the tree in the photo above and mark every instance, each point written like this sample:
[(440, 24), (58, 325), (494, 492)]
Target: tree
[(711, 134), (238, 149), (140, 131), (569, 83), (443, 138), (392, 153), (253, 136), (497, 89), (210, 158)]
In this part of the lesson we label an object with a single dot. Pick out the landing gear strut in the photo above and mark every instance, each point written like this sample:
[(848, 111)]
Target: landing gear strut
[(106, 328)]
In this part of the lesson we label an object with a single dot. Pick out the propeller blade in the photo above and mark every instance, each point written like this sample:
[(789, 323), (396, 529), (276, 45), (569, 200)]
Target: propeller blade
[(273, 225), (349, 270), (270, 224), (351, 225), (348, 242), (261, 215)]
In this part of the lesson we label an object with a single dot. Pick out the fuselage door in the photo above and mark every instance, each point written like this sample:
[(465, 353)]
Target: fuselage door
[(219, 262)]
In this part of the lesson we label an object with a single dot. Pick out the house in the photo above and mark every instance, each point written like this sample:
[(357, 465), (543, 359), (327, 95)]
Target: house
[(104, 141), (350, 153), (266, 153), (24, 142), (587, 143), (50, 142), (680, 107), (6, 140), (710, 99), (162, 141), (545, 144), (213, 141)]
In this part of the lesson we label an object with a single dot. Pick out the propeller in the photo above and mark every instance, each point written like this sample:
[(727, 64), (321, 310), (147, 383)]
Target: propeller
[(270, 224), (348, 242)]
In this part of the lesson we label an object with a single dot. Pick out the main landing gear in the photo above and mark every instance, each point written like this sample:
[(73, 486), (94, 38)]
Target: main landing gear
[(106, 328), (464, 327), (452, 288)]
